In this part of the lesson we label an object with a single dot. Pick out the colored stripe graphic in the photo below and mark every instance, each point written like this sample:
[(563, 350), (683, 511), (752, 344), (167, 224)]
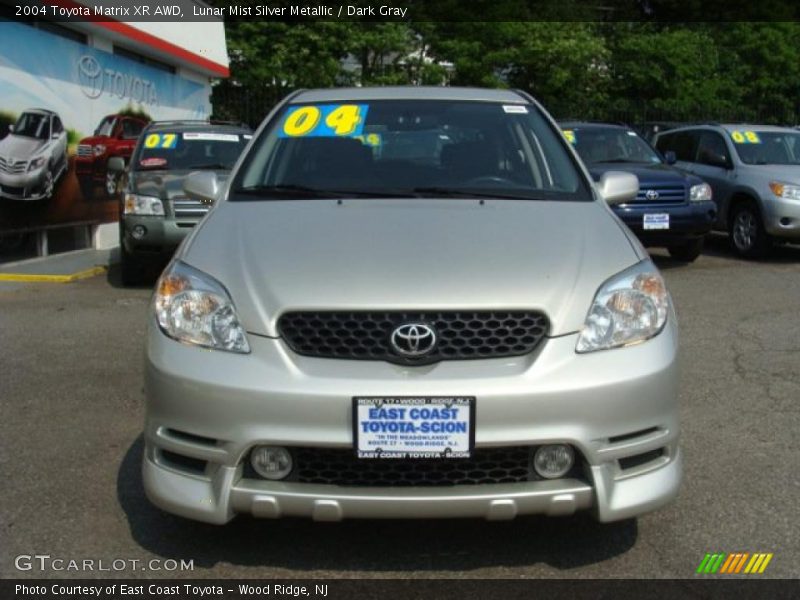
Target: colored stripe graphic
[(724, 563)]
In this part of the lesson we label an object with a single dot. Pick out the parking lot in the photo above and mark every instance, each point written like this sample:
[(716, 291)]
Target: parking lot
[(72, 411)]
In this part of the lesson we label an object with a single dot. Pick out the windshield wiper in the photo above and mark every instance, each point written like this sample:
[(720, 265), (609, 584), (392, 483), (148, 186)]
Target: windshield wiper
[(446, 192), (302, 190), (286, 190), (623, 160), (211, 166)]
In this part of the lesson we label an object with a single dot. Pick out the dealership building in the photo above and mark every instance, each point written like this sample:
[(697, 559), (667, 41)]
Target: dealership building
[(83, 71)]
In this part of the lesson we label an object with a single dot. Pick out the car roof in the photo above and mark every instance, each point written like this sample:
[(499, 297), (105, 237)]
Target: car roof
[(197, 126), (39, 111), (729, 127), (593, 125), (408, 93)]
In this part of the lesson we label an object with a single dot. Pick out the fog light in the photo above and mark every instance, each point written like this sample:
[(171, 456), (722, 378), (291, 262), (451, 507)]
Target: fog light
[(271, 462), (139, 232), (553, 461)]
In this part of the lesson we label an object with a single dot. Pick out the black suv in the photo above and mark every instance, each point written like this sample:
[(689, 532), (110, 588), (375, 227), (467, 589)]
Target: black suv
[(155, 213), (672, 209)]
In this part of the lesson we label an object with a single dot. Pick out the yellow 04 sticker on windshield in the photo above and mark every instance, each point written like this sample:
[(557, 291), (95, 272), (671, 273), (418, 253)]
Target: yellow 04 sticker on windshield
[(745, 137), (164, 141), (324, 120)]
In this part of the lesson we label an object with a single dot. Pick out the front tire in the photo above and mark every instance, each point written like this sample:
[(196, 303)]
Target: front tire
[(112, 184), (747, 234), (87, 188), (688, 251), (131, 270)]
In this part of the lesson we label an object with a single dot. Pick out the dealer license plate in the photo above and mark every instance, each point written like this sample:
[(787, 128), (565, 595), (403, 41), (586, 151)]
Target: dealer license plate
[(406, 427), (656, 221)]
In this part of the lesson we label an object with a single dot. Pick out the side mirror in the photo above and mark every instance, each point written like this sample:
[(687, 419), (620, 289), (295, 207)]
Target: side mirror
[(116, 164), (202, 185), (618, 187), (670, 157)]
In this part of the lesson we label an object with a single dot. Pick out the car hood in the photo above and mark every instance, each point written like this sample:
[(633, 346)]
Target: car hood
[(94, 139), (165, 184), (787, 173), (424, 254), (20, 147), (648, 174)]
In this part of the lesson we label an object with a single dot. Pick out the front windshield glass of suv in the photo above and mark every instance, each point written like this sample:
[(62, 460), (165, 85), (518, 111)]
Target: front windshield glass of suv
[(611, 145), (410, 148), (106, 127), (767, 147), (196, 150), (33, 125)]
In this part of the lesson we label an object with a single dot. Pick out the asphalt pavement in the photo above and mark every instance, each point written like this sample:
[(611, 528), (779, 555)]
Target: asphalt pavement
[(70, 450)]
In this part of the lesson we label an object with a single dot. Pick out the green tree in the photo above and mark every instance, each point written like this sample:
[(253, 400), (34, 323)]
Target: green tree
[(673, 72), (563, 64)]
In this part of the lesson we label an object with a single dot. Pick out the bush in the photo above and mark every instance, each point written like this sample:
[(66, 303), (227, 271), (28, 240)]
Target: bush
[(137, 113)]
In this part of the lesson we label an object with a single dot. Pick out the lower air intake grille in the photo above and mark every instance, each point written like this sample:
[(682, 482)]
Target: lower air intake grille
[(341, 467), (368, 335)]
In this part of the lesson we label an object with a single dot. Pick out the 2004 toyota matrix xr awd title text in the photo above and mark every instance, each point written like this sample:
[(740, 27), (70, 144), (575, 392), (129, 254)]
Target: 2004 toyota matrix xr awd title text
[(411, 303)]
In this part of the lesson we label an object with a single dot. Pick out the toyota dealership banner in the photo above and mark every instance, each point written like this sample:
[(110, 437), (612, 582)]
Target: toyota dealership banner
[(58, 88)]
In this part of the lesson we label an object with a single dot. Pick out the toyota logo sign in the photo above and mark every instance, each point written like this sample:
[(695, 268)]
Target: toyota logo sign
[(414, 339), (651, 195)]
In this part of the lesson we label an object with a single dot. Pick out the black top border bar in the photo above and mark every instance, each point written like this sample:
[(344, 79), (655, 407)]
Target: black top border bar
[(184, 11)]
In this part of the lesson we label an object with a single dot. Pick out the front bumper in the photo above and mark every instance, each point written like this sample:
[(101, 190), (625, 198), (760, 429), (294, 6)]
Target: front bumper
[(782, 218), (162, 235), (213, 407), (24, 186), (686, 221)]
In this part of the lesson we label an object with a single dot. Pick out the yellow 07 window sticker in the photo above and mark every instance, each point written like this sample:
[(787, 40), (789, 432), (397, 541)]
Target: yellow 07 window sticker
[(164, 141), (745, 137)]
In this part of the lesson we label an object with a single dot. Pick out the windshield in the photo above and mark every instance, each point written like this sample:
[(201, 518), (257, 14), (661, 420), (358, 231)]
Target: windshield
[(106, 127), (612, 144), (33, 125), (190, 150), (410, 148), (767, 147)]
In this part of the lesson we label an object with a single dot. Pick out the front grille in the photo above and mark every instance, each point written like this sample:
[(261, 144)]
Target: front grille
[(12, 191), (16, 168), (667, 194), (341, 467), (188, 208), (460, 335), (84, 150)]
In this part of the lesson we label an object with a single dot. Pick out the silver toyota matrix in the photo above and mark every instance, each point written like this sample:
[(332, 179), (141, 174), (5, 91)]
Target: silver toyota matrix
[(411, 303)]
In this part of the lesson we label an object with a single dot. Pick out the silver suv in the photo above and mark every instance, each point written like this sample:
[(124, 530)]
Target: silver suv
[(754, 172), (407, 303)]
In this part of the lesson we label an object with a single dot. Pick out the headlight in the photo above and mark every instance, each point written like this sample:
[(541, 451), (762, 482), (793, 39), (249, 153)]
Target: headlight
[(143, 205), (194, 308), (785, 190), (629, 308), (700, 192), (36, 163), (99, 150)]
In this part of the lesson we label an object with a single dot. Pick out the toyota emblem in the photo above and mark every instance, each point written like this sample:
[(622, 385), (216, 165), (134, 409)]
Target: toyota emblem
[(651, 195), (414, 339)]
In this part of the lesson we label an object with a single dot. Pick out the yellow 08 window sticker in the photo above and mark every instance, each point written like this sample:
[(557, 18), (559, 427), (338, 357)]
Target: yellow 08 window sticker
[(745, 137)]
